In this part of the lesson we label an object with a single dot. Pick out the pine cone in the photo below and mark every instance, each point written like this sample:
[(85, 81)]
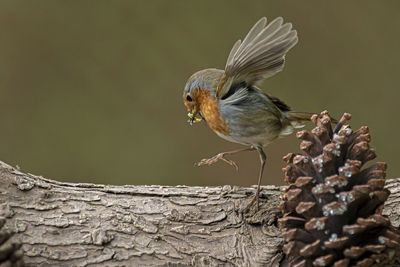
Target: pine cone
[(332, 210)]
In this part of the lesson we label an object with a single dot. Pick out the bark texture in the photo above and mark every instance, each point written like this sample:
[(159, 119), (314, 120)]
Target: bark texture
[(49, 223)]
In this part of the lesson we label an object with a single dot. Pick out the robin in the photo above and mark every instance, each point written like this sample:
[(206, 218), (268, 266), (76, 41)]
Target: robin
[(232, 104)]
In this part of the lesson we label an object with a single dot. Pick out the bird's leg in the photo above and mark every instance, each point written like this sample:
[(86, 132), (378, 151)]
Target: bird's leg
[(221, 156), (263, 157)]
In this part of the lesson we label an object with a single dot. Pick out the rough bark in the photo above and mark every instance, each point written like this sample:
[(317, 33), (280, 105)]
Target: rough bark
[(66, 224)]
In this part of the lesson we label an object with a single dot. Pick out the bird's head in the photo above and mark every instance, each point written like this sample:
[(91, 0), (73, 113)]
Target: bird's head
[(200, 86)]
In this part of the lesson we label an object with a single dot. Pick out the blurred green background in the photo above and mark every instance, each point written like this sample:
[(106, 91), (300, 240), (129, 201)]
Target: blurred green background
[(91, 91)]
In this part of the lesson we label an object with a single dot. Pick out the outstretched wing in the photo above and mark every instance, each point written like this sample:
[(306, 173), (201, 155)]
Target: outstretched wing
[(259, 56)]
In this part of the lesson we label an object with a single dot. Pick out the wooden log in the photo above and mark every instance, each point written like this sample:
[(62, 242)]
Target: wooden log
[(50, 223)]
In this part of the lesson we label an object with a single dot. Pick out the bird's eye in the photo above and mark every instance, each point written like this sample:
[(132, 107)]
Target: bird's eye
[(189, 98)]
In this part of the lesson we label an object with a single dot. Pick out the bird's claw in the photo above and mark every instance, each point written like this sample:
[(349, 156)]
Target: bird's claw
[(255, 199), (251, 203), (214, 159)]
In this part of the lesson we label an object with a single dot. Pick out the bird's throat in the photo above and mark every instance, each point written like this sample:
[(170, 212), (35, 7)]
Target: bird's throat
[(210, 110)]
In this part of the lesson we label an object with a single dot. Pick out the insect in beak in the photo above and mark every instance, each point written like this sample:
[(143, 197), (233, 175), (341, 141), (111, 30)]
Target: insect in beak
[(192, 118)]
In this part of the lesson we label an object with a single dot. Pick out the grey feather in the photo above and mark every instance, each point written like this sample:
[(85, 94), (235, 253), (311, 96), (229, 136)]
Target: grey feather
[(262, 52), (253, 33), (252, 118), (234, 50), (263, 36)]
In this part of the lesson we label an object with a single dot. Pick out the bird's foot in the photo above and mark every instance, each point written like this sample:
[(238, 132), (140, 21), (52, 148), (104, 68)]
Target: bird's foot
[(254, 199), (220, 156)]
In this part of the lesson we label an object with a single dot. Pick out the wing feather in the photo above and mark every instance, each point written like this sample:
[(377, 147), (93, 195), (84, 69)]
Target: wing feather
[(254, 31), (234, 50), (260, 55)]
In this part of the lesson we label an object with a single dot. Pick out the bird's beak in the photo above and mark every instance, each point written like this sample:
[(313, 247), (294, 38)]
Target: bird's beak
[(193, 116)]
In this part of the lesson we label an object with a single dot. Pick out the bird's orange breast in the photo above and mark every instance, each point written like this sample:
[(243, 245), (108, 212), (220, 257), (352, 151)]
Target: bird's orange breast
[(209, 109)]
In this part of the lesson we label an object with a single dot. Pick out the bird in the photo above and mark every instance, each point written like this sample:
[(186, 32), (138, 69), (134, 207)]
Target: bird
[(233, 104)]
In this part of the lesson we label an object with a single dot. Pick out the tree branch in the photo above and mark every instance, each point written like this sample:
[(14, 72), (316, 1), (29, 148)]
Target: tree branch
[(67, 224)]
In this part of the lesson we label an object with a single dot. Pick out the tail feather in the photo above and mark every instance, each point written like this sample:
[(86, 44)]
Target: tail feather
[(297, 118)]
